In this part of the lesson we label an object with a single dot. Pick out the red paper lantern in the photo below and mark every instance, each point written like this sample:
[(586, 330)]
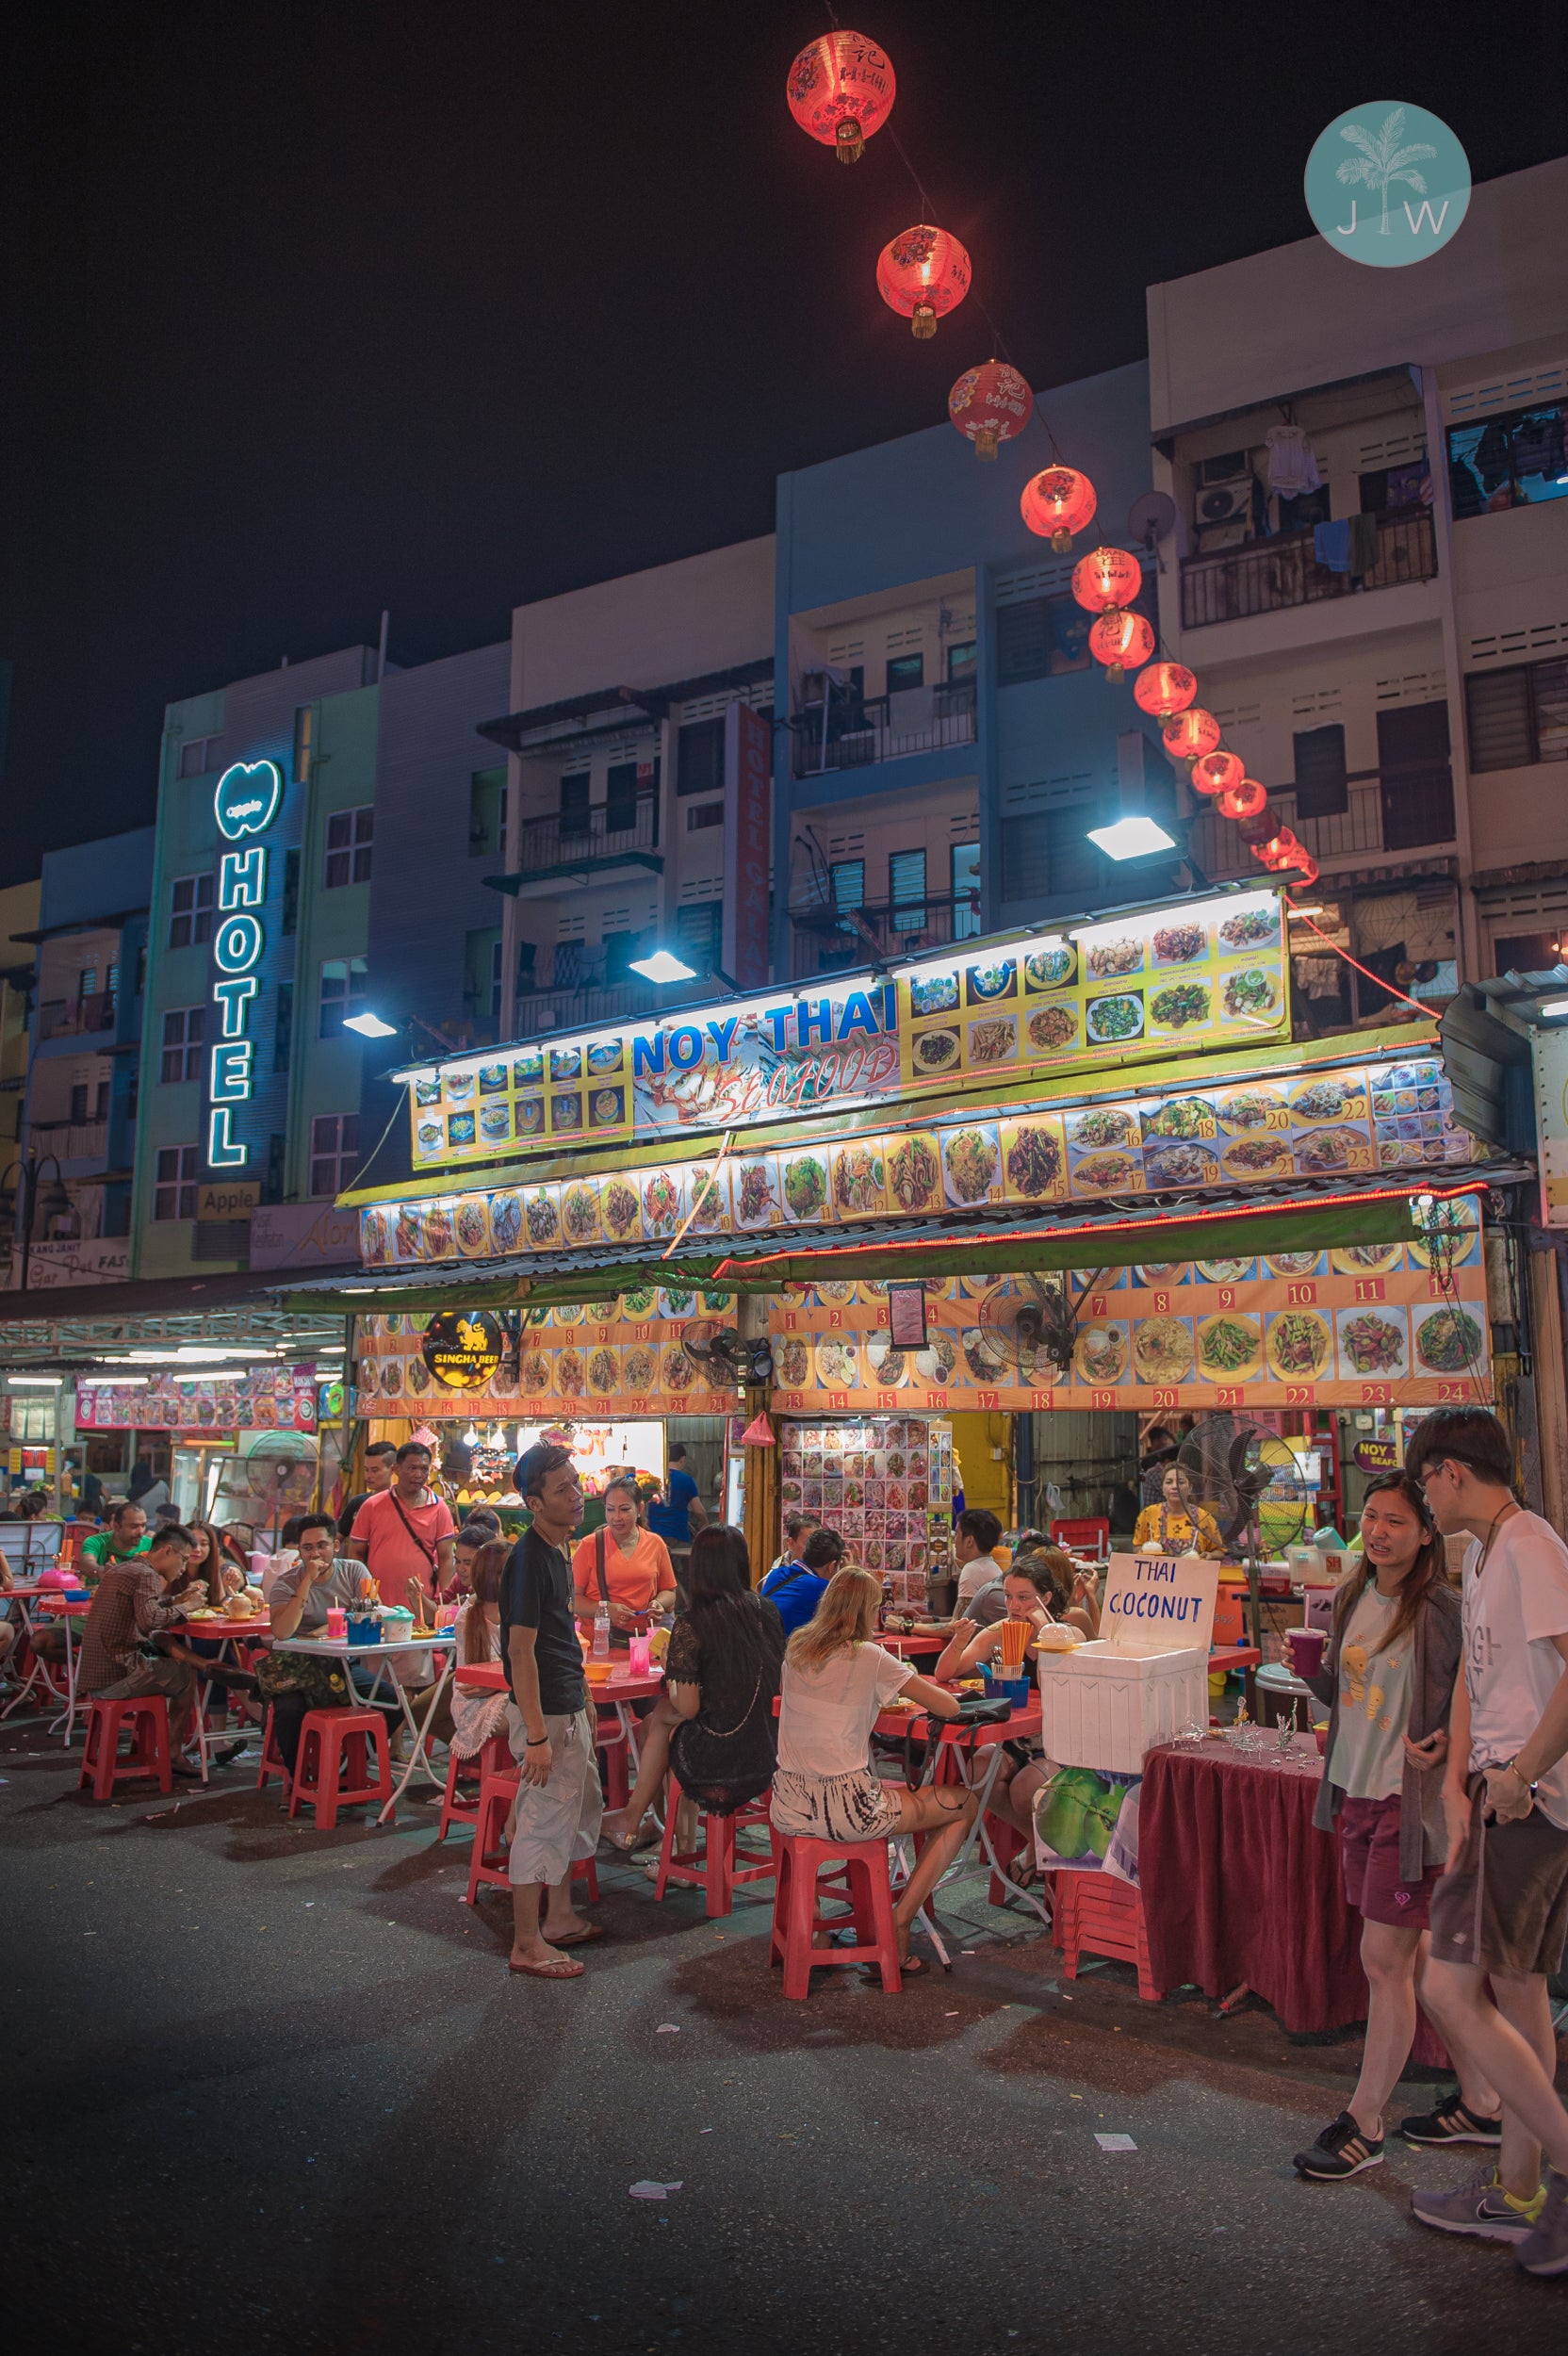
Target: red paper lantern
[(1280, 850), (1307, 871), (922, 273), (1164, 690), (1106, 579), (1056, 504), (1118, 641), (1213, 772), (840, 89), (990, 405), (1190, 733), (1242, 799)]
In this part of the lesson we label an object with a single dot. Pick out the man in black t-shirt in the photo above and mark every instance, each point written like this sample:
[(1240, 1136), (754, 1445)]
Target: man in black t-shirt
[(381, 1466), (551, 1727)]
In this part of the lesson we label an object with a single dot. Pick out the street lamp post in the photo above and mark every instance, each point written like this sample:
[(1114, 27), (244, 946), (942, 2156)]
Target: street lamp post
[(25, 1178)]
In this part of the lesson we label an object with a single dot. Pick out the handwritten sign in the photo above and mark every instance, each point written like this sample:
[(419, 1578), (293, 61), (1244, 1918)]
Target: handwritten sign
[(1160, 1603)]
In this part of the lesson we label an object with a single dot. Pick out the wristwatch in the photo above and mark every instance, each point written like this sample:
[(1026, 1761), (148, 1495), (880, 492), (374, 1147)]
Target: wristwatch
[(1514, 1770)]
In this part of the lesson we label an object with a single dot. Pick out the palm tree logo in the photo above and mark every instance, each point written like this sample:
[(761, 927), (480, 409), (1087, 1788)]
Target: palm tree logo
[(1381, 161)]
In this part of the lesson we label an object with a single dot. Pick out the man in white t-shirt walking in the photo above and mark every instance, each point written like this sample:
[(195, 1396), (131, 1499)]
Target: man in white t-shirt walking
[(1499, 1915)]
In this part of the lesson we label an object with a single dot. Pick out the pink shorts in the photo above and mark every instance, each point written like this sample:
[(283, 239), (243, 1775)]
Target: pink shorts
[(1369, 1851)]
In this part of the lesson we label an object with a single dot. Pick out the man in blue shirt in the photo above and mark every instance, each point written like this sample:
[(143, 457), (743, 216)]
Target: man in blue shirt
[(795, 1589), (680, 1511)]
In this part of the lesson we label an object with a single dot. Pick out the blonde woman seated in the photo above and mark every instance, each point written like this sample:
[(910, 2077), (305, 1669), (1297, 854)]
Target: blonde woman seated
[(835, 1682), (1175, 1526)]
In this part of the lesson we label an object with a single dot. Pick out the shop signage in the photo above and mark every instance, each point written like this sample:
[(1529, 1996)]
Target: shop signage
[(1188, 974), (907, 1328), (1549, 1062), (462, 1347), (618, 1358), (1376, 1456), (304, 1235), (245, 801), (1159, 1603), (227, 1199)]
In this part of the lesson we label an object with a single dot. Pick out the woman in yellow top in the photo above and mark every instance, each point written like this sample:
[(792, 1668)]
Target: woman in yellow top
[(1175, 1525)]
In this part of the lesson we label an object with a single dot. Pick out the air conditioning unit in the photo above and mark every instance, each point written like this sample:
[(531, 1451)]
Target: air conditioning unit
[(1224, 502)]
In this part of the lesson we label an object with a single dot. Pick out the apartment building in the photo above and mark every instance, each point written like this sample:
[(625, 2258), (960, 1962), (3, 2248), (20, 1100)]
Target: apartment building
[(18, 924), (1366, 566)]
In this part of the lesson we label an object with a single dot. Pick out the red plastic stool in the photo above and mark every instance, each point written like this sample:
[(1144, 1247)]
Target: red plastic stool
[(148, 1720), (271, 1761), (713, 1867), (859, 1873), (496, 1796), (495, 1757), (1097, 1914), (333, 1767)]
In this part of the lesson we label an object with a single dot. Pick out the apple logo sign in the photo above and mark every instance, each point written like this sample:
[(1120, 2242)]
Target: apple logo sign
[(247, 798)]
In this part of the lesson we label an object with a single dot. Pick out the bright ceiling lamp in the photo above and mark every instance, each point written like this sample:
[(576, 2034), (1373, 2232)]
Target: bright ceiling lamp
[(1132, 837), (662, 967), (369, 1026)]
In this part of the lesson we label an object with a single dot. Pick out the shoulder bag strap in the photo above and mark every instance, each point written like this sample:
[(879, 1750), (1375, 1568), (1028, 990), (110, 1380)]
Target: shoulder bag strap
[(429, 1552), (598, 1564)]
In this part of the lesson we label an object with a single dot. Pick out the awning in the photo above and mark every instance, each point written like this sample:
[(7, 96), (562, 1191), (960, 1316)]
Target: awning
[(1486, 1055)]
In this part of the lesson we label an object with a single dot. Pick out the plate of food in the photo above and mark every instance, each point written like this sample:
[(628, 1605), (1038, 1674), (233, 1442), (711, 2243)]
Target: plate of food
[(604, 1055), (1449, 1339), (1107, 1173), (708, 1193), (1032, 1160), (756, 1192), (542, 1216), (1099, 1355), (1326, 1099), (639, 1367), (936, 1363), (838, 1362), (1230, 1348), (1181, 1117), (528, 1116), (972, 1158), (473, 1228), (604, 1370), (994, 979), (571, 1374), (1366, 1259), (1111, 1022), (1293, 1262), (1180, 944), (1103, 1125), (914, 1173), (1169, 1165), (806, 1185), (1243, 1110), (565, 1063), (579, 1211), (676, 1372), (1298, 1345), (933, 993), (1162, 1349), (621, 1208), (661, 1202), (528, 1069), (1050, 1029), (606, 1108), (459, 1087), (1224, 1271), (860, 1180), (794, 1363), (1049, 968), (1374, 1343), (936, 1051), (495, 1121), (993, 1041), (1267, 1156), (1339, 1147), (1250, 927), (1252, 995), (1180, 1005), (1106, 961), (886, 1366)]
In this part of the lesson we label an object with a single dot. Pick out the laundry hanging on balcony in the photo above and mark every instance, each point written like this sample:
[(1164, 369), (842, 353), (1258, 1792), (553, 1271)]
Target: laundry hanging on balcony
[(1364, 544), (1292, 462), (1330, 545)]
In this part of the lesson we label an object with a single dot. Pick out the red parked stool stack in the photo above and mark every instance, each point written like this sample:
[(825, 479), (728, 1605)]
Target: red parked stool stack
[(147, 1721), (494, 1758), (1099, 1915), (334, 1762), (713, 1867), (858, 1871), (487, 1867)]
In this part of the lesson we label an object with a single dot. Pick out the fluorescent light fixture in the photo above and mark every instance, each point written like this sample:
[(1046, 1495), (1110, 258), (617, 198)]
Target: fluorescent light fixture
[(34, 1382), (662, 967), (1552, 1006), (1293, 913), (1132, 838), (117, 1381), (369, 1026)]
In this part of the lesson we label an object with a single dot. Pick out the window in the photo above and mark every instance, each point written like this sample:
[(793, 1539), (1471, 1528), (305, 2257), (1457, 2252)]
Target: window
[(78, 1104), (305, 741), (698, 931), (487, 813), (350, 836), (182, 1044), (619, 950), (190, 911), (1526, 953), (1041, 638), (704, 814), (699, 757), (960, 661), (1517, 717), (620, 804), (907, 891), (1515, 460), (1048, 855), (333, 1152), (283, 1027), (101, 1101), (289, 922), (966, 878), (1321, 791), (574, 805), (849, 883), (175, 1187), (200, 754), (1416, 782), (343, 987), (906, 670)]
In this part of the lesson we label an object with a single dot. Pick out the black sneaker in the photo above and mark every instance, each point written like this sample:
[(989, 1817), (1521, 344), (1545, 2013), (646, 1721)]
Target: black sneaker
[(1341, 2150), (1451, 2123)]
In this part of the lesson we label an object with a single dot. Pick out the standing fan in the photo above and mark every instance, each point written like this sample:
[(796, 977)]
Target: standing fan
[(279, 1473), (1025, 1319), (1252, 1482)]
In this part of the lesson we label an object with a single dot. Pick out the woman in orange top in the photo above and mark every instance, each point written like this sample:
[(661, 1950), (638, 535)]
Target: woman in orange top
[(629, 1566)]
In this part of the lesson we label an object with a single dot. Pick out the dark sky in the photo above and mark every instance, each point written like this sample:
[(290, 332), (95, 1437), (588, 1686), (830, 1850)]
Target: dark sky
[(312, 311)]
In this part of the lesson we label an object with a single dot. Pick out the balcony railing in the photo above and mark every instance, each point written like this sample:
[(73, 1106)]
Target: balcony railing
[(1267, 576), (72, 1140), (825, 936), (1402, 811), (585, 1008), (604, 830), (70, 1018), (849, 734)]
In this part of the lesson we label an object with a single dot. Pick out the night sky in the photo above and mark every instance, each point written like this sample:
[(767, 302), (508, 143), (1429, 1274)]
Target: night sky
[(313, 311)]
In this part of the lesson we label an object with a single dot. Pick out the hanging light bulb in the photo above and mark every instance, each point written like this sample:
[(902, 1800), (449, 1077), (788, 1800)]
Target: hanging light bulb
[(840, 89), (470, 1438), (922, 273)]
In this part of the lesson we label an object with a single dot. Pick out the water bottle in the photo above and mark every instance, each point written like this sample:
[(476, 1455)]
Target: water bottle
[(602, 1632)]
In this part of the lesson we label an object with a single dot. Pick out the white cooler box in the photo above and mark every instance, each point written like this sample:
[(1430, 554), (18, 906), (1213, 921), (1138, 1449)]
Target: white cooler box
[(1105, 1708)]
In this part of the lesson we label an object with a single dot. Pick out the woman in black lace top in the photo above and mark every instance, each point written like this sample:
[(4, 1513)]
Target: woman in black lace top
[(713, 1724)]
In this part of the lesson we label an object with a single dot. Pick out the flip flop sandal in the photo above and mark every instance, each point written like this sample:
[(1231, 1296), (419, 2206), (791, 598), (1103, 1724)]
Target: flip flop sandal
[(565, 1969), (581, 1938)]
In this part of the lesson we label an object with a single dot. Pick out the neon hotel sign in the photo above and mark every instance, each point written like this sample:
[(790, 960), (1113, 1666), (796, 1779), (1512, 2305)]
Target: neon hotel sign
[(245, 803)]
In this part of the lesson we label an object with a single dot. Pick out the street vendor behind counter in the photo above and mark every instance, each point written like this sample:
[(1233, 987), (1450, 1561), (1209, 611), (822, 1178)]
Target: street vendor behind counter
[(1175, 1525)]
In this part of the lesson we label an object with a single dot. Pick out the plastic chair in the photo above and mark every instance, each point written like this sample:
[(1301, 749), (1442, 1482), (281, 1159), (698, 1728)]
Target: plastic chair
[(333, 1766), (713, 1867), (271, 1763), (495, 1757), (148, 1720), (1098, 1913), (1087, 1536), (487, 1867), (858, 1871)]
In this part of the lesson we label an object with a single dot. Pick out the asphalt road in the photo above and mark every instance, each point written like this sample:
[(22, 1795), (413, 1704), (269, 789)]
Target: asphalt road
[(271, 2089)]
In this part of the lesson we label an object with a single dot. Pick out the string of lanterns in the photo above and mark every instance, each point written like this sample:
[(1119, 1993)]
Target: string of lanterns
[(840, 89)]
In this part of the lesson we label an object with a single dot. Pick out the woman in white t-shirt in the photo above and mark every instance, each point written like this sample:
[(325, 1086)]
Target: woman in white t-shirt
[(835, 1683)]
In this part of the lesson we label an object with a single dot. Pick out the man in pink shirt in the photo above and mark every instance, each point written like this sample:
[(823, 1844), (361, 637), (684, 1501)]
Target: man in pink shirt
[(405, 1536)]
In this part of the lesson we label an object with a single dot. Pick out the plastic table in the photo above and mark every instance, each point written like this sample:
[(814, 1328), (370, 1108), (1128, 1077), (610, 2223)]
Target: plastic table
[(34, 1601), (617, 1694), (978, 1773), (386, 1657), (225, 1634)]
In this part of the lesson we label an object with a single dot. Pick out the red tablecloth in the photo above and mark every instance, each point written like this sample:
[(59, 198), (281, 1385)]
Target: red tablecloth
[(1238, 1886)]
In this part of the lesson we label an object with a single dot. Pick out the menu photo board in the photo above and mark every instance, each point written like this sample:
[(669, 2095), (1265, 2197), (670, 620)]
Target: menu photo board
[(1189, 974), (275, 1398), (623, 1358)]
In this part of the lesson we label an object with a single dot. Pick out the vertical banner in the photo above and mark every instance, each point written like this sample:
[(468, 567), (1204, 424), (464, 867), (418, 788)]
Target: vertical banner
[(748, 765), (1549, 1057)]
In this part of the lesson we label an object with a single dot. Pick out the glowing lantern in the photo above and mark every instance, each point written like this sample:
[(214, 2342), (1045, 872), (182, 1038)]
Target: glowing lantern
[(1215, 771), (990, 405), (1106, 579), (840, 89), (1307, 871), (1190, 734), (1244, 798), (1280, 850), (922, 275), (1164, 690), (1056, 504), (1119, 640)]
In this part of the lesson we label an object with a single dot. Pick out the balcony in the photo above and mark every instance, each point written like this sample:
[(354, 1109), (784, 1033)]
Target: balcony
[(591, 997), (1269, 576), (1393, 812), (825, 936), (73, 1018), (72, 1140), (847, 733), (573, 846)]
